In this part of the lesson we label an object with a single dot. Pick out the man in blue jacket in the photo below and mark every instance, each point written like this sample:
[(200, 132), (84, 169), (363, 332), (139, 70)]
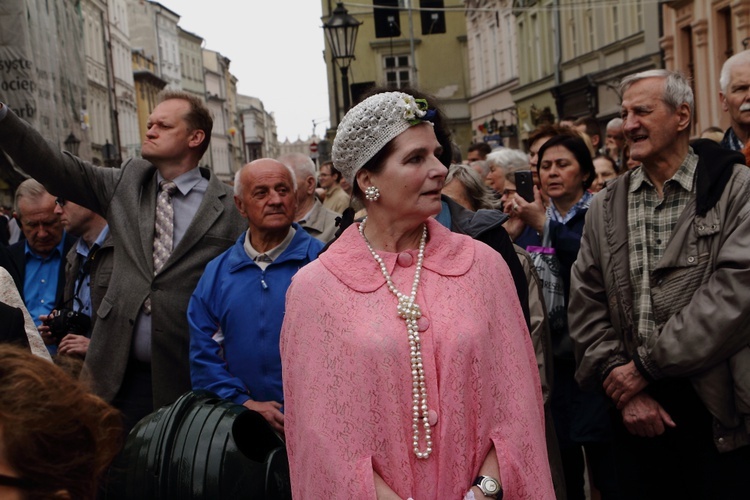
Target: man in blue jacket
[(236, 311)]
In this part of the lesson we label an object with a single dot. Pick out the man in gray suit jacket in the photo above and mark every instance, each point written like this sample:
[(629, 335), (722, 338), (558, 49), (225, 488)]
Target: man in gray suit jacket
[(138, 356)]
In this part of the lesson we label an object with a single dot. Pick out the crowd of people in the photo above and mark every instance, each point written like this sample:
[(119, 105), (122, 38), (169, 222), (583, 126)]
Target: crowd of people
[(414, 326)]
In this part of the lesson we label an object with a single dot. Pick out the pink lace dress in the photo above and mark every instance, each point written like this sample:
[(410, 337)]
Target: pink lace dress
[(347, 374)]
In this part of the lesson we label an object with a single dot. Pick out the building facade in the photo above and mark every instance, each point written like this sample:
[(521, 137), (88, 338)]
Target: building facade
[(400, 44), (602, 43), (218, 157), (493, 71), (191, 63), (127, 138), (234, 132), (258, 129), (538, 50), (154, 31), (698, 37), (44, 75), (99, 105)]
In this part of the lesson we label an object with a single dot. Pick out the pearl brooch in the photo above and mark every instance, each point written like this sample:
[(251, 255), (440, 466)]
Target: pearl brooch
[(410, 312)]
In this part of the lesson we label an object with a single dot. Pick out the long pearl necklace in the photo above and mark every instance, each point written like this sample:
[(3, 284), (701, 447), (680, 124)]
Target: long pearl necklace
[(409, 311)]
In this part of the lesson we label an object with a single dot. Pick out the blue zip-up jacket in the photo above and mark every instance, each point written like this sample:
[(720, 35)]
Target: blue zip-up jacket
[(246, 304)]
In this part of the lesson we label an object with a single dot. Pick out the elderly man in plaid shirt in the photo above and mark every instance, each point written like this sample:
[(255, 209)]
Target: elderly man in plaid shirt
[(660, 303)]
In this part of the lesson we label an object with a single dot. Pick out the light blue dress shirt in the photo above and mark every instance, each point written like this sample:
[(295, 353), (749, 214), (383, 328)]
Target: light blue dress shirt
[(191, 186)]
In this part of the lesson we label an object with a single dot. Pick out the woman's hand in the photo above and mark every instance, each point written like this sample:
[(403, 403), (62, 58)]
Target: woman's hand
[(534, 213), (514, 226)]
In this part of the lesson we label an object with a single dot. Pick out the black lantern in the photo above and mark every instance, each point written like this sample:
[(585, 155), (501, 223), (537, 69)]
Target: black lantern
[(493, 126), (341, 32), (71, 144)]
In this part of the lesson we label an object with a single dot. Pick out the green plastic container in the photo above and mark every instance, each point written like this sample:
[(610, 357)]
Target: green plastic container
[(201, 447)]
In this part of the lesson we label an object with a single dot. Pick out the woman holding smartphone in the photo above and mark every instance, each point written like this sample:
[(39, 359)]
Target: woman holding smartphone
[(566, 171)]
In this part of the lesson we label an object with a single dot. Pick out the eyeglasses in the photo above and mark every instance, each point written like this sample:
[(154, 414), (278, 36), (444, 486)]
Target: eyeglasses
[(60, 201)]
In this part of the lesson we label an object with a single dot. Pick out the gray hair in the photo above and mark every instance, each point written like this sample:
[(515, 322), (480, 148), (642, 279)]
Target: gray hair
[(477, 191), (238, 185), (677, 89), (615, 123), (29, 188), (482, 164), (510, 174), (726, 70), (507, 158), (300, 163)]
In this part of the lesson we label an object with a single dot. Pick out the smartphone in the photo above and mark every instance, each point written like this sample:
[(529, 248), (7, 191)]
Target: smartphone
[(525, 185)]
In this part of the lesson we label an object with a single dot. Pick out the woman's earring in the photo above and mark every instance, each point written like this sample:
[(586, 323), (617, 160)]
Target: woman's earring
[(372, 193)]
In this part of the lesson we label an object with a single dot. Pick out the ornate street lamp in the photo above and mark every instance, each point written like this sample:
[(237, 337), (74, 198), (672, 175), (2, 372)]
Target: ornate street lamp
[(71, 144), (341, 32)]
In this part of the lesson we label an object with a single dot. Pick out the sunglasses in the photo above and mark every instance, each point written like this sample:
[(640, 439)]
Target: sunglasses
[(60, 201)]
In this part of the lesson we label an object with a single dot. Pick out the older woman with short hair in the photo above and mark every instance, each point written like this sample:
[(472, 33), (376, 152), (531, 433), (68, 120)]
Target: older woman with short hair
[(500, 162), (466, 187), (408, 368)]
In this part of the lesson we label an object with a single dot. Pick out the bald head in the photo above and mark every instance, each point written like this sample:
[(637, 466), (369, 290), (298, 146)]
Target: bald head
[(265, 197), (254, 165)]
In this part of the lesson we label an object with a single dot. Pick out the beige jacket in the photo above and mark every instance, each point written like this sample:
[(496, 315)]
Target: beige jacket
[(700, 295)]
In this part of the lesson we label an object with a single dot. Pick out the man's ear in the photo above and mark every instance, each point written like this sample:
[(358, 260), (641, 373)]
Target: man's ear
[(724, 103), (196, 138), (240, 207), (310, 185), (683, 117)]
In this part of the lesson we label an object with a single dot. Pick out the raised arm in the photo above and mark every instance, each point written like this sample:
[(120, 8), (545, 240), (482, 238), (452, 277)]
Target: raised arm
[(61, 173)]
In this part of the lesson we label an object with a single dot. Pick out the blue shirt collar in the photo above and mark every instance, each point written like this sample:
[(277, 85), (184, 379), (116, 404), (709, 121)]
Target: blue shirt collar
[(83, 249), (185, 182)]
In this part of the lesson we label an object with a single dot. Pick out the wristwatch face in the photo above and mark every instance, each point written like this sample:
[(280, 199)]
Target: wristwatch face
[(490, 486)]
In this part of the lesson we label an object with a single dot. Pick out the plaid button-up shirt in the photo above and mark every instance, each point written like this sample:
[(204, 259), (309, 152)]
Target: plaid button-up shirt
[(650, 223)]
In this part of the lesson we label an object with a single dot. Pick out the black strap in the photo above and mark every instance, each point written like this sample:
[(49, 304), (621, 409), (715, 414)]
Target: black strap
[(83, 271)]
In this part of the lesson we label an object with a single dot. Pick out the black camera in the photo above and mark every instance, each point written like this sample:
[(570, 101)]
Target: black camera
[(64, 321)]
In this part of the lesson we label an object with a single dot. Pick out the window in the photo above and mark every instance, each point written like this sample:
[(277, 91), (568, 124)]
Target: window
[(536, 46), (387, 22), (589, 16), (478, 58), (433, 21), (639, 15), (615, 23), (397, 71), (573, 36), (510, 51), (725, 43)]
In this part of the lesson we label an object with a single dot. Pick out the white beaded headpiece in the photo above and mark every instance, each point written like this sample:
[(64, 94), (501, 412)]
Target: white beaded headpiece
[(370, 125)]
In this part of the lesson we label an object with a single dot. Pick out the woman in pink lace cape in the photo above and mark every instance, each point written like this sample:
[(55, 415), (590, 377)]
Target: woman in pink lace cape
[(408, 369)]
